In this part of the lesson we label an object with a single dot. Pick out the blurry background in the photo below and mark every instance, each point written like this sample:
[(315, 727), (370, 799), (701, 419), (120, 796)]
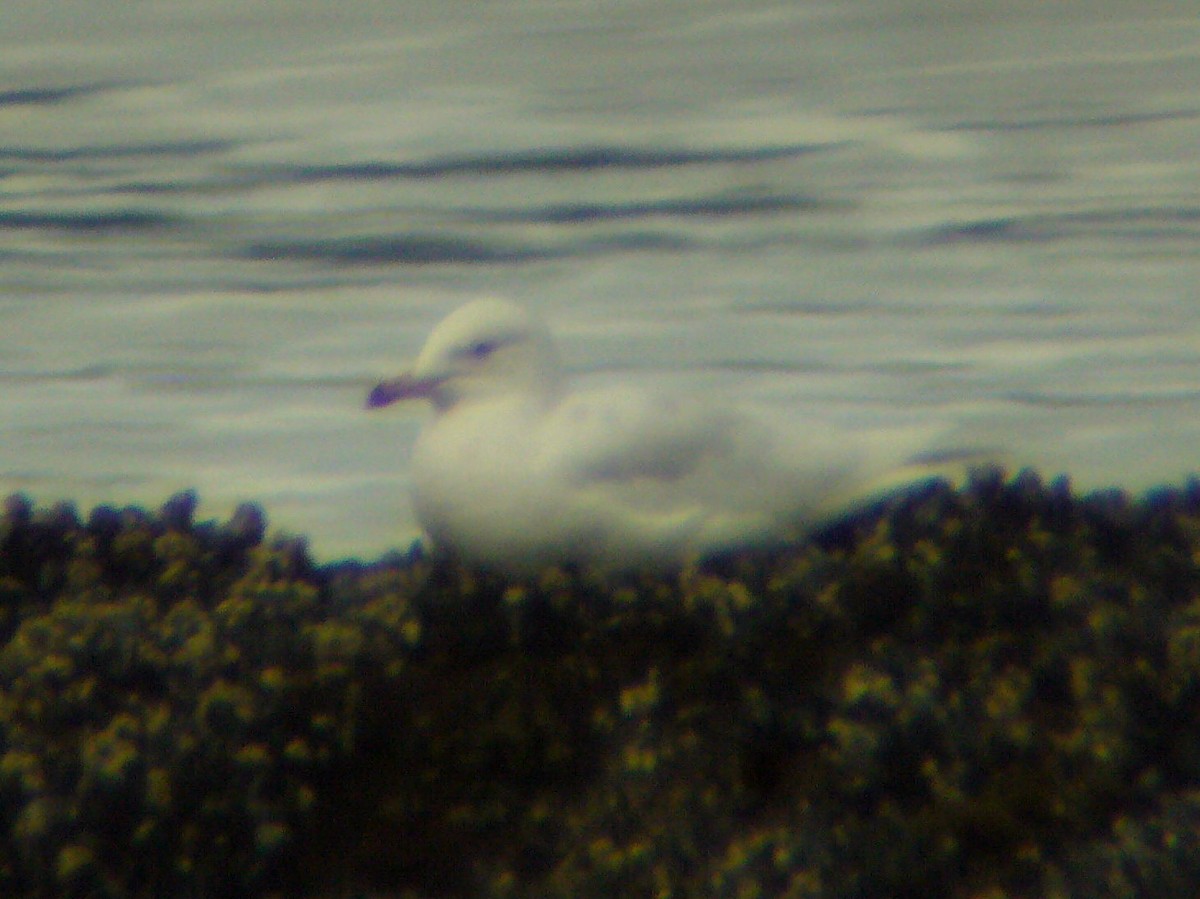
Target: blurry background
[(222, 220)]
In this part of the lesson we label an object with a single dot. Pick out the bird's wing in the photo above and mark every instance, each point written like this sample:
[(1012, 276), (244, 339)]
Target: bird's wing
[(689, 470), (692, 461), (626, 436), (638, 468)]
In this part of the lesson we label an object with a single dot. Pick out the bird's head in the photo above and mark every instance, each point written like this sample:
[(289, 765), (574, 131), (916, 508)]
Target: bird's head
[(486, 348)]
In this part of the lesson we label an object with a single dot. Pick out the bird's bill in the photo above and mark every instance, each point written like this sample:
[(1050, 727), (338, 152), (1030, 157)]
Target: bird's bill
[(405, 387)]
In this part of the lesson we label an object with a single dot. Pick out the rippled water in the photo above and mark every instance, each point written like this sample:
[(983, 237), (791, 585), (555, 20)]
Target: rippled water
[(219, 222)]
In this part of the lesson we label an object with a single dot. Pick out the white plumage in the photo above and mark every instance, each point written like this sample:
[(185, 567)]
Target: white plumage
[(516, 470)]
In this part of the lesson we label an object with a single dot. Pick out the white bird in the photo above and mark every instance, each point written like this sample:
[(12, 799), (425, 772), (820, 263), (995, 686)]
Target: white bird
[(515, 470)]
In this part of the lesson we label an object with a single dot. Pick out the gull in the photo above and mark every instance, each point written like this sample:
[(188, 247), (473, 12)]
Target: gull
[(517, 470)]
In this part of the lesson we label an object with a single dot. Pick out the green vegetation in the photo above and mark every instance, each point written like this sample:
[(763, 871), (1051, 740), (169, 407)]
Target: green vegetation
[(979, 693)]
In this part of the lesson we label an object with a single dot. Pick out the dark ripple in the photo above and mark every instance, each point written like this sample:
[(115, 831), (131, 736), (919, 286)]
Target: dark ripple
[(450, 250), (1114, 120), (167, 149), (566, 159), (550, 161), (1135, 223), (708, 207), (1101, 400), (48, 96), (411, 250), (1010, 229), (89, 222)]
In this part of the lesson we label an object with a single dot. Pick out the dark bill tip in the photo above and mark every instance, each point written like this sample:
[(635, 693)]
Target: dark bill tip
[(385, 393)]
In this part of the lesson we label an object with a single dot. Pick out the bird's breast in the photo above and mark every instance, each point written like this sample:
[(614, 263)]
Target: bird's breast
[(477, 485)]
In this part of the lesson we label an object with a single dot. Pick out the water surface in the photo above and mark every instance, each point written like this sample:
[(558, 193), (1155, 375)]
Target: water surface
[(219, 223)]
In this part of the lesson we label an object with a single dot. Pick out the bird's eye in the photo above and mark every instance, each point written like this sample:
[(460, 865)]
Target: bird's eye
[(482, 349)]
